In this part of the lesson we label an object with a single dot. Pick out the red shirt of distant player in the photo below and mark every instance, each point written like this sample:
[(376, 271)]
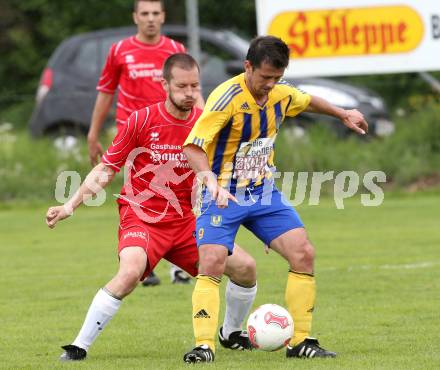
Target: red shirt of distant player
[(160, 180), (135, 69)]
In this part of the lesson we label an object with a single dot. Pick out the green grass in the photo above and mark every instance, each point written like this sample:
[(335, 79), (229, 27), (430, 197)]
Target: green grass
[(412, 152), (378, 275), (30, 167)]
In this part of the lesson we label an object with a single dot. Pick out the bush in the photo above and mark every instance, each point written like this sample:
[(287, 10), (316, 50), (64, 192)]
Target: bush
[(18, 113), (412, 152), (29, 167)]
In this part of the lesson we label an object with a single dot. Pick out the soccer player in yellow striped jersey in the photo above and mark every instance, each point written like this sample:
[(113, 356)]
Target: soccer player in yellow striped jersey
[(231, 149), (237, 133)]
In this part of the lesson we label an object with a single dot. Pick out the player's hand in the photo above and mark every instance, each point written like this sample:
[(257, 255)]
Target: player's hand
[(95, 150), (58, 213), (355, 121), (219, 194), (266, 249), (223, 197)]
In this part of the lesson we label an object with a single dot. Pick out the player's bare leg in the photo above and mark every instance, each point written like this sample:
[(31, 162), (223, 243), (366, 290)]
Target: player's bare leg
[(241, 267), (296, 248), (107, 302), (131, 267)]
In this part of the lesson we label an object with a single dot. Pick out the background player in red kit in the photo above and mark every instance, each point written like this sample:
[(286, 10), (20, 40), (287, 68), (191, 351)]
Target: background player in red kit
[(134, 69), (155, 208)]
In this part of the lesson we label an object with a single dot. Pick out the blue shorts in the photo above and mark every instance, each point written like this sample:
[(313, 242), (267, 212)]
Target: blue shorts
[(263, 210)]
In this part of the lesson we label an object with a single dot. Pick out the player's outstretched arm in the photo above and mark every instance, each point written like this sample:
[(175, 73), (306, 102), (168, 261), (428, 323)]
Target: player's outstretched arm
[(198, 161), (100, 111), (352, 118), (97, 179)]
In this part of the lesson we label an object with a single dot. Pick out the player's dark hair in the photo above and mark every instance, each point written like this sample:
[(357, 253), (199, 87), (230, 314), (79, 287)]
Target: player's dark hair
[(136, 2), (269, 49), (181, 60)]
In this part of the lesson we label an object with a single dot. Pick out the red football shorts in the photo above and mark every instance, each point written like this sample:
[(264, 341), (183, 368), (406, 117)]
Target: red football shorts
[(173, 240)]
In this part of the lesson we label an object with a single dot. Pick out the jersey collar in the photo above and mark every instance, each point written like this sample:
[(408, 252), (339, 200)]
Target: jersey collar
[(249, 96), (171, 119), (142, 45)]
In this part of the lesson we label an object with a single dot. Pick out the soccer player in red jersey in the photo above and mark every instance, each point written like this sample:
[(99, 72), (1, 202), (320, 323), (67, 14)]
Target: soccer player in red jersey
[(134, 69), (155, 208)]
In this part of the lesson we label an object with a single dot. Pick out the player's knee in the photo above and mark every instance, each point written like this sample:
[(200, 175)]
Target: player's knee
[(212, 264), (308, 253), (128, 279), (250, 270), (303, 256), (246, 273)]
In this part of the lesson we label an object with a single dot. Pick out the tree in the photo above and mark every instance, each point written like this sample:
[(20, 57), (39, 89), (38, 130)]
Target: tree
[(32, 29)]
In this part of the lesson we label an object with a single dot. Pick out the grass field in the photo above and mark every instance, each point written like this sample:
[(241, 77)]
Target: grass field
[(378, 275)]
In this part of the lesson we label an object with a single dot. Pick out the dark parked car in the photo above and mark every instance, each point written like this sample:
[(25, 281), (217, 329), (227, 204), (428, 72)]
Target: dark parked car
[(66, 93)]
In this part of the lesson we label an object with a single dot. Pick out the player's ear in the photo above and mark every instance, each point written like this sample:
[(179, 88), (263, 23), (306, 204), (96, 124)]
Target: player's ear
[(134, 18), (164, 84), (247, 66)]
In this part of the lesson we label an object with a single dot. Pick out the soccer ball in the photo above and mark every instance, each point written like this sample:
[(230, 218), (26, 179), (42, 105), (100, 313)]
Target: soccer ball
[(270, 327)]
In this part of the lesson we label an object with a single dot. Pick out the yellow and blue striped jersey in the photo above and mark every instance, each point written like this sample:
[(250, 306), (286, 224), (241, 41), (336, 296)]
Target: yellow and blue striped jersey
[(238, 135)]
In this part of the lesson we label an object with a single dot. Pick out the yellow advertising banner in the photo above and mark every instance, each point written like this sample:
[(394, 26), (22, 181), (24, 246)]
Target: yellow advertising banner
[(342, 37), (358, 31)]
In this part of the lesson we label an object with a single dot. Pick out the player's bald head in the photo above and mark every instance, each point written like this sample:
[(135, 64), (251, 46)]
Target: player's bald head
[(181, 60)]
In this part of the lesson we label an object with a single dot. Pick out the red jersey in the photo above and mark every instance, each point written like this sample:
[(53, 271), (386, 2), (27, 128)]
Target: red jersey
[(135, 69), (159, 179)]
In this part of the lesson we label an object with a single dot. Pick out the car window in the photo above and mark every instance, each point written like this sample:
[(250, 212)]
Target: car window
[(215, 51), (213, 67), (106, 42), (207, 47), (86, 58)]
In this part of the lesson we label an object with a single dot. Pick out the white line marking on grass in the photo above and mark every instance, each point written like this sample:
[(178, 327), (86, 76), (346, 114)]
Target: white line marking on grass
[(420, 265), (409, 266)]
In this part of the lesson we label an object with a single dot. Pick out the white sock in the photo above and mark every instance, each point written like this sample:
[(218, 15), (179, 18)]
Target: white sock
[(100, 312), (238, 303), (173, 270)]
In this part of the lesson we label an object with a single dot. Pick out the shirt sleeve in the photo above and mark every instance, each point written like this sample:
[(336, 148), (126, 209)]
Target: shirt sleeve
[(109, 80), (299, 101), (209, 124), (177, 47), (182, 48), (123, 143)]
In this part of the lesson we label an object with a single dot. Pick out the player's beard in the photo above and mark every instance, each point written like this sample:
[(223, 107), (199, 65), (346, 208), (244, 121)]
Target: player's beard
[(180, 107)]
